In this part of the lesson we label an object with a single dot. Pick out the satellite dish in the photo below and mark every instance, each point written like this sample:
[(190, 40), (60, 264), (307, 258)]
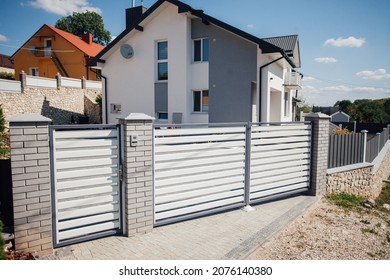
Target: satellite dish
[(127, 51)]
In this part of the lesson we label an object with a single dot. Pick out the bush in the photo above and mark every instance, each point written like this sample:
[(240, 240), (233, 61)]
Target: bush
[(2, 243), (99, 99), (2, 120), (7, 76)]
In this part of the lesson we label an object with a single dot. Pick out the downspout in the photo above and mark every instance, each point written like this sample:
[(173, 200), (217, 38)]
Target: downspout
[(105, 94), (260, 83)]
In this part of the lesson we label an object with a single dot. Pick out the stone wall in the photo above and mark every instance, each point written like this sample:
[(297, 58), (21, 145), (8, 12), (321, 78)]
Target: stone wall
[(92, 109), (63, 105), (361, 179)]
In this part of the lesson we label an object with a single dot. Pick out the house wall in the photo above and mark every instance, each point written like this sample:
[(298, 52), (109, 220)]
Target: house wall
[(72, 58), (339, 117), (232, 69)]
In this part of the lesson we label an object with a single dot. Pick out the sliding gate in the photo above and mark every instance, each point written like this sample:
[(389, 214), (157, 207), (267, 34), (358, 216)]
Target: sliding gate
[(202, 169), (85, 166)]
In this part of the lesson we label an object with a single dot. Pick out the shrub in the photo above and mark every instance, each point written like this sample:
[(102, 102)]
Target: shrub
[(346, 200), (2, 120), (342, 131), (2, 243), (99, 99), (7, 76)]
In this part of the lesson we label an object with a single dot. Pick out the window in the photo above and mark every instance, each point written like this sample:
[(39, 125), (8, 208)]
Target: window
[(201, 50), (162, 115), (286, 104), (34, 71), (162, 61), (116, 108), (201, 101)]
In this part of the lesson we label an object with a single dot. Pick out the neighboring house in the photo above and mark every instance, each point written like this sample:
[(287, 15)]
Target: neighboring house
[(179, 64), (6, 64), (339, 116), (51, 50)]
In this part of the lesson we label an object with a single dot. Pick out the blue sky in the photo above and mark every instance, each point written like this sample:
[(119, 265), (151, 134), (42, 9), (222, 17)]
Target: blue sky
[(344, 44)]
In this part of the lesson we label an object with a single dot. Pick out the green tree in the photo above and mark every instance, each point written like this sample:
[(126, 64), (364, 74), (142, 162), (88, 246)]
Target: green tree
[(79, 23), (346, 106), (2, 120), (2, 243)]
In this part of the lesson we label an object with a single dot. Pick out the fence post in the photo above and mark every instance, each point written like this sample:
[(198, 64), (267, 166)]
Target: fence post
[(364, 144), (248, 140), (29, 135), (320, 151), (388, 132), (83, 83), (23, 81), (137, 173), (58, 79), (378, 134)]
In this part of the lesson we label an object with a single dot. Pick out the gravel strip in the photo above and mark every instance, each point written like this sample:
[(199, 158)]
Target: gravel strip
[(329, 232)]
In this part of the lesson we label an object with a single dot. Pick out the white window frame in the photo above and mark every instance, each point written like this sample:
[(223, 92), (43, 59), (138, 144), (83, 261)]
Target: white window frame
[(201, 101), (33, 71), (286, 100), (158, 61), (115, 108), (201, 50)]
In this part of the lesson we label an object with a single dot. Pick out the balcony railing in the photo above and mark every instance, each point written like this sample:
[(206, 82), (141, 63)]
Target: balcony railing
[(42, 52), (292, 80)]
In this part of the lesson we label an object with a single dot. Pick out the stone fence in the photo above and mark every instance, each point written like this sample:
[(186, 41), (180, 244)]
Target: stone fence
[(62, 104)]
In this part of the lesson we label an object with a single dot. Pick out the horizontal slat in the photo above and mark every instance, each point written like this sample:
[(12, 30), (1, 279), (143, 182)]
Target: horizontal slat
[(198, 177), (167, 197), (196, 146), (85, 153), (277, 134), (234, 183), (87, 182), (203, 138), (199, 154), (93, 210), (86, 143), (271, 185), (87, 191), (93, 133), (196, 170), (70, 164), (62, 235), (277, 153), (196, 162), (280, 140), (294, 172), (280, 159), (88, 220), (87, 172), (196, 208), (198, 200), (194, 131), (281, 127), (278, 171), (296, 145), (88, 201), (257, 195)]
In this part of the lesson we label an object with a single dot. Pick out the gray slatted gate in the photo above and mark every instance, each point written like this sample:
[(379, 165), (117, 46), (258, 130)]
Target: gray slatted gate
[(86, 189)]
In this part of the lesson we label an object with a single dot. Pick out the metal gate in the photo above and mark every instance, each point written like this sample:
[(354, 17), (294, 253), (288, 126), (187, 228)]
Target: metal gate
[(198, 170), (86, 189)]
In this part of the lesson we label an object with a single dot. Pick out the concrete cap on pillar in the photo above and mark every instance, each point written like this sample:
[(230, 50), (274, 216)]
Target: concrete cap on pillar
[(26, 118), (138, 116), (318, 116)]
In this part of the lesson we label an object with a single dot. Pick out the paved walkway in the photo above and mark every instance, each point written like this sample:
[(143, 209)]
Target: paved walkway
[(230, 235)]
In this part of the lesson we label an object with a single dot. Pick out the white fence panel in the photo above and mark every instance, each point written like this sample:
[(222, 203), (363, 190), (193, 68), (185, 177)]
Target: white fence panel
[(33, 81), (197, 171), (69, 82), (85, 180), (9, 85), (280, 159), (93, 84)]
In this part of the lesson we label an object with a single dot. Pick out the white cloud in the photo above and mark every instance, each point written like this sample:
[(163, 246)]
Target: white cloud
[(309, 79), (250, 26), (347, 89), (325, 59), (62, 7), (379, 74), (347, 42), (3, 38)]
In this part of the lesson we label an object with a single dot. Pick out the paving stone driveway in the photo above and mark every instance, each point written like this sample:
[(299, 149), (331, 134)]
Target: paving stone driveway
[(230, 235)]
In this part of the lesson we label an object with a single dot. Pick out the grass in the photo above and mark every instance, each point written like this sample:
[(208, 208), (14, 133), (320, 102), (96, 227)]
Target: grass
[(384, 198), (369, 230), (346, 200)]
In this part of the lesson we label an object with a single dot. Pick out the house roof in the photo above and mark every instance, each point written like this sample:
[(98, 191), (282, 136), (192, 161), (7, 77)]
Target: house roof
[(91, 49), (288, 43), (265, 46), (5, 62), (340, 112)]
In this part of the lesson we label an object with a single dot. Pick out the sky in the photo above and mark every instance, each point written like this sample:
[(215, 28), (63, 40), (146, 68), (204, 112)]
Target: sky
[(344, 44)]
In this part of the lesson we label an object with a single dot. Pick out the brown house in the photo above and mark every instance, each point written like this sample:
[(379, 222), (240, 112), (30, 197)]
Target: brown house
[(51, 50)]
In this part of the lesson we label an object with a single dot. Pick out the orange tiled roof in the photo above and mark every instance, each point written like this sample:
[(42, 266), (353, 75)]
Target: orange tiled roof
[(89, 49)]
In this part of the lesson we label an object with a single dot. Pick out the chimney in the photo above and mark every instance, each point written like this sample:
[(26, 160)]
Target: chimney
[(87, 37), (133, 15)]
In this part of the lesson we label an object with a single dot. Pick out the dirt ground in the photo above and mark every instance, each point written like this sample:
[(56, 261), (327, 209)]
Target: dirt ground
[(329, 232)]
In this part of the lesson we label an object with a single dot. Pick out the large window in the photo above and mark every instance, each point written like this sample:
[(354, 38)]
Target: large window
[(201, 50), (162, 61), (201, 101)]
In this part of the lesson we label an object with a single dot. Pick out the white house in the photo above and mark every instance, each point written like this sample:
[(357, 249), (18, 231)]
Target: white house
[(339, 116), (179, 64)]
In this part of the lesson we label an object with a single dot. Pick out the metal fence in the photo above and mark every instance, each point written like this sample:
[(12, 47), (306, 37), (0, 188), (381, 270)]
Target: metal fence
[(355, 148)]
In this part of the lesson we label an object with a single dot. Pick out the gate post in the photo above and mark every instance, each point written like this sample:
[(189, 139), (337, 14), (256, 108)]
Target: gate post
[(137, 139), (319, 152), (29, 137)]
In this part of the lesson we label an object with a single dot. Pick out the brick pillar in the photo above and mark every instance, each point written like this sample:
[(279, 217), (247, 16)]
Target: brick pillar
[(137, 173), (29, 137), (320, 146)]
